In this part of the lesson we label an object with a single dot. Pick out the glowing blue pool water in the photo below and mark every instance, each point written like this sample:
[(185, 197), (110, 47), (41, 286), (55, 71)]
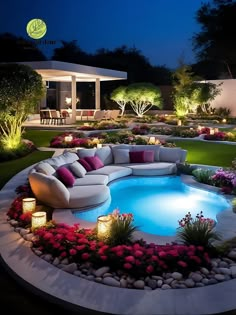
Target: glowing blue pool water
[(157, 203)]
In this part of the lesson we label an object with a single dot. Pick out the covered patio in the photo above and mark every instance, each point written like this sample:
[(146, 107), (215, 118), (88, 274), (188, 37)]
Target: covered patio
[(58, 71)]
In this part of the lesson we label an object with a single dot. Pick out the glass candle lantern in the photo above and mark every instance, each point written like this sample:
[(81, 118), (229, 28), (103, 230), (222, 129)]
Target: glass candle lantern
[(68, 138), (99, 145), (28, 205), (38, 219), (104, 226)]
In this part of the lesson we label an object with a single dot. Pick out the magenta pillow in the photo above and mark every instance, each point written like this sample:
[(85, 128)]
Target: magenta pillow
[(65, 176), (149, 156), (136, 156), (85, 164), (94, 162)]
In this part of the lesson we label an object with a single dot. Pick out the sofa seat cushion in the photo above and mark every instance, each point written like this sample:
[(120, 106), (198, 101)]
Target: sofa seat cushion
[(112, 171), (91, 180), (87, 196), (153, 169)]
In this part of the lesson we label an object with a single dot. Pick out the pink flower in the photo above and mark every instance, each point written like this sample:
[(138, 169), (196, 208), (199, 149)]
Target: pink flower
[(72, 252), (149, 269), (103, 257), (85, 256), (130, 259), (182, 263), (63, 254), (138, 253), (127, 266)]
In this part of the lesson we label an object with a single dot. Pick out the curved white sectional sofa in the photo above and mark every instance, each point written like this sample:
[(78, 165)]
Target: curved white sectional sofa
[(90, 187)]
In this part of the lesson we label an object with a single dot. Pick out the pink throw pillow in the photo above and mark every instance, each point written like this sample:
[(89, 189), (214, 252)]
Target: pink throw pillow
[(85, 164), (136, 156), (65, 176), (94, 162), (149, 156)]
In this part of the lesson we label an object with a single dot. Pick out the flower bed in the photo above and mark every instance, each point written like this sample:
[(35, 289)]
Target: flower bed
[(131, 264)]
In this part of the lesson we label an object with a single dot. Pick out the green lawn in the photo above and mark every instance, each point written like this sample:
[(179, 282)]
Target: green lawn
[(41, 138), (11, 168), (208, 153)]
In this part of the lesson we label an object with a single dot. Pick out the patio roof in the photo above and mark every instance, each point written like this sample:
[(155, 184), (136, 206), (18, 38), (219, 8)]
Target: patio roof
[(59, 71)]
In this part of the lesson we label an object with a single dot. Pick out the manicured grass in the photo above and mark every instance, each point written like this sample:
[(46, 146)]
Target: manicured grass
[(41, 138), (208, 153), (11, 168)]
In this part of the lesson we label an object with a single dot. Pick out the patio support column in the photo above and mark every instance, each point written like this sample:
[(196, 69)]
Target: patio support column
[(97, 94), (73, 98)]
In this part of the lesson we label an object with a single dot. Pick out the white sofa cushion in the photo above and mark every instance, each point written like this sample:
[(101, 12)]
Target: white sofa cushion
[(48, 189), (105, 155), (45, 168), (121, 156), (91, 180), (112, 171), (87, 196), (170, 154), (77, 169), (153, 169)]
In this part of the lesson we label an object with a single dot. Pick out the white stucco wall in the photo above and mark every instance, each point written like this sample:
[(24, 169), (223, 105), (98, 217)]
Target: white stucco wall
[(227, 98)]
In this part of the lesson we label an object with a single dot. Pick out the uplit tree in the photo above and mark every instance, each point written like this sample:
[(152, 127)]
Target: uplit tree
[(190, 92), (143, 96), (21, 89), (119, 95)]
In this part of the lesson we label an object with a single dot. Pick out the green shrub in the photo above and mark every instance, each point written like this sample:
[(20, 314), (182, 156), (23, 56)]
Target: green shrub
[(184, 168), (203, 175), (198, 231), (122, 228)]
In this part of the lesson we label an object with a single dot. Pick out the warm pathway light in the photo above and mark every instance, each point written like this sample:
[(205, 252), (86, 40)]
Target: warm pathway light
[(212, 131), (224, 121), (152, 140), (104, 226), (99, 145), (28, 204), (199, 128), (38, 219)]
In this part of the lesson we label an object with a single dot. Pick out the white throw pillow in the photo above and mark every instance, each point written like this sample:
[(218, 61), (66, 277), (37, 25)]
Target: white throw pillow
[(45, 168), (121, 156), (77, 169)]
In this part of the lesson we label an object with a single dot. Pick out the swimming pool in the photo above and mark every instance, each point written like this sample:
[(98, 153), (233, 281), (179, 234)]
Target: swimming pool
[(157, 203)]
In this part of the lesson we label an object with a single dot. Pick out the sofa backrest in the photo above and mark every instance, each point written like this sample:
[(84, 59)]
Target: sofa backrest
[(48, 189)]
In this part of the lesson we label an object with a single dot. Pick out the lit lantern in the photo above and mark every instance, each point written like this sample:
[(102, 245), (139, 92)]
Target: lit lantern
[(28, 204), (38, 219), (199, 128), (212, 131), (179, 123), (224, 121), (152, 140), (68, 138), (104, 226), (99, 145), (86, 124), (216, 130)]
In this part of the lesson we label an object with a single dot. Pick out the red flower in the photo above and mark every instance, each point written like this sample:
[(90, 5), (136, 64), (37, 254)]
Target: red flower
[(103, 257), (149, 269), (63, 254), (72, 252)]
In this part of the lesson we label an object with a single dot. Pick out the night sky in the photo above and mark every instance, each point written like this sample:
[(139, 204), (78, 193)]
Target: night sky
[(160, 29)]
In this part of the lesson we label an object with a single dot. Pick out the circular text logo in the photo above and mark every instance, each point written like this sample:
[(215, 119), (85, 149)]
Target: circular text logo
[(36, 28)]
